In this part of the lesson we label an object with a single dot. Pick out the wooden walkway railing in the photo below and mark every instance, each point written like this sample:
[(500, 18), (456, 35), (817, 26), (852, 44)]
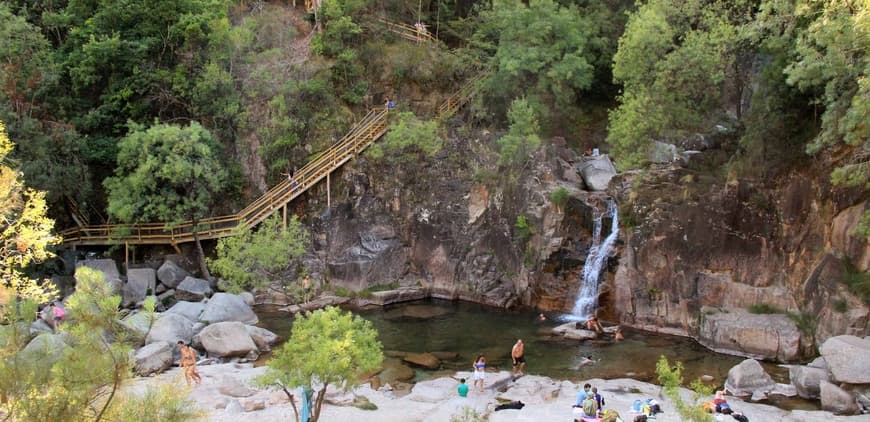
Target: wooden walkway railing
[(367, 130), (403, 30)]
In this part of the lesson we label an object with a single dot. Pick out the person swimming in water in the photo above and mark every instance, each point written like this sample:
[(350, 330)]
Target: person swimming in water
[(586, 360)]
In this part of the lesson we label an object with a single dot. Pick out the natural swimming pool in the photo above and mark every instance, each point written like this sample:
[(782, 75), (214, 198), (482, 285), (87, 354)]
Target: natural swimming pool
[(470, 329)]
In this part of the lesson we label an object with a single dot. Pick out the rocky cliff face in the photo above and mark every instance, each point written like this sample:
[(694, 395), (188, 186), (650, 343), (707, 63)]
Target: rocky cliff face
[(697, 255), (441, 223)]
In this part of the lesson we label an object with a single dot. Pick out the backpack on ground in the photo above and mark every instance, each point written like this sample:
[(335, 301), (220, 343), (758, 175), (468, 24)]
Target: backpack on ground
[(635, 407), (590, 407), (609, 415), (640, 418)]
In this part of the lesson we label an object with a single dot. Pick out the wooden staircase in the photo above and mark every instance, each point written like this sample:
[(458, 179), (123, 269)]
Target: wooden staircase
[(369, 129), (403, 30)]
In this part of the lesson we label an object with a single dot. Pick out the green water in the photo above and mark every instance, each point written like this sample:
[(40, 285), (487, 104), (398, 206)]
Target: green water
[(470, 329)]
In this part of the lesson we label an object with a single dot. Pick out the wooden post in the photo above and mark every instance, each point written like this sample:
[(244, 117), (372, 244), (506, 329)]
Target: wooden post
[(328, 199), (126, 255), (285, 216)]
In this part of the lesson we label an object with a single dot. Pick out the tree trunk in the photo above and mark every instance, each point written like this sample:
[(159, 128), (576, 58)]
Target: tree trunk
[(318, 402), (292, 402), (200, 254)]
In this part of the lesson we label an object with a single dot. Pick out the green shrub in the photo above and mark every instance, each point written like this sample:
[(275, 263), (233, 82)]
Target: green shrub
[(841, 306), (522, 227), (671, 379), (858, 282), (763, 308), (559, 197)]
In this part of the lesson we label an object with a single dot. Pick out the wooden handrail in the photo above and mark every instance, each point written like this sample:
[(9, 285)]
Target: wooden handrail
[(363, 133)]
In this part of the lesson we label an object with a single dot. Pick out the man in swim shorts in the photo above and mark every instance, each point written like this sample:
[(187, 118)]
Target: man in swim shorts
[(517, 354)]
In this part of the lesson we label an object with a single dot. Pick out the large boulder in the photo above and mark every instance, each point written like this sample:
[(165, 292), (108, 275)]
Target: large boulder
[(748, 378), (226, 339), (170, 328), (227, 307), (848, 358), (425, 360), (806, 380), (140, 283), (171, 274), (760, 336), (193, 289), (153, 358), (45, 348), (597, 172), (139, 322), (663, 153), (837, 400), (189, 310), (263, 338), (109, 270)]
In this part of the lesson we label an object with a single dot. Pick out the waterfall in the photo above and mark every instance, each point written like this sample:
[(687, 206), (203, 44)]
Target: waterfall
[(587, 299)]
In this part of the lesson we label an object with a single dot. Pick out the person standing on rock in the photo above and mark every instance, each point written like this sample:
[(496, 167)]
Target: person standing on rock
[(518, 356), (479, 372), (463, 388), (188, 362)]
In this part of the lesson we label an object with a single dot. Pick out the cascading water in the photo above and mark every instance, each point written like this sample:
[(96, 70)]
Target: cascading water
[(587, 299)]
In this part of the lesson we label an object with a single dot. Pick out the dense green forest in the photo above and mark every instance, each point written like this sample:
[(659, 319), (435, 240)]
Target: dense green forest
[(103, 99)]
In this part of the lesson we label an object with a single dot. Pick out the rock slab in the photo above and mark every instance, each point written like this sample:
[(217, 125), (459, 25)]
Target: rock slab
[(153, 358), (193, 289), (748, 378), (848, 358), (170, 328), (837, 400), (170, 274), (760, 336)]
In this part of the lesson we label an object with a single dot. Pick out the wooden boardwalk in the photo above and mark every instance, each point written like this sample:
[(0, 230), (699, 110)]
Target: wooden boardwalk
[(367, 130)]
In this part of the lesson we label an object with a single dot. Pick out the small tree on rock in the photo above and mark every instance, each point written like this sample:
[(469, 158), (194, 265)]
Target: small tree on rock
[(256, 259), (326, 347)]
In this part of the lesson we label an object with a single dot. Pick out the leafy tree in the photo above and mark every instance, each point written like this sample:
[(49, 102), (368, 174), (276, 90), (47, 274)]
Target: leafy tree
[(522, 137), (257, 259), (672, 61), (326, 347), (407, 139), (25, 231), (671, 379), (831, 57), (541, 48), (48, 148), (166, 173)]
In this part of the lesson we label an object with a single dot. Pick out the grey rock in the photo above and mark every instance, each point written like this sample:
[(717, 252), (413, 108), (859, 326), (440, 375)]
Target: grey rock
[(837, 400), (233, 406), (170, 328), (761, 336), (153, 358), (166, 295), (171, 274), (139, 322), (806, 380), (228, 307), (848, 357), (597, 172), (139, 282), (263, 338), (227, 339), (818, 362), (189, 310), (663, 153), (248, 297), (748, 378), (231, 386), (45, 348), (193, 289), (39, 326), (253, 405), (109, 270)]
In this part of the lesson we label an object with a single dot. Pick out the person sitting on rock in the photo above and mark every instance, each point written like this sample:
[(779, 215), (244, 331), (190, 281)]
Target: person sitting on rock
[(593, 325)]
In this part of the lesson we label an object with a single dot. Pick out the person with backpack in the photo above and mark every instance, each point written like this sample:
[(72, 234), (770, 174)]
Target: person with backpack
[(590, 407)]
